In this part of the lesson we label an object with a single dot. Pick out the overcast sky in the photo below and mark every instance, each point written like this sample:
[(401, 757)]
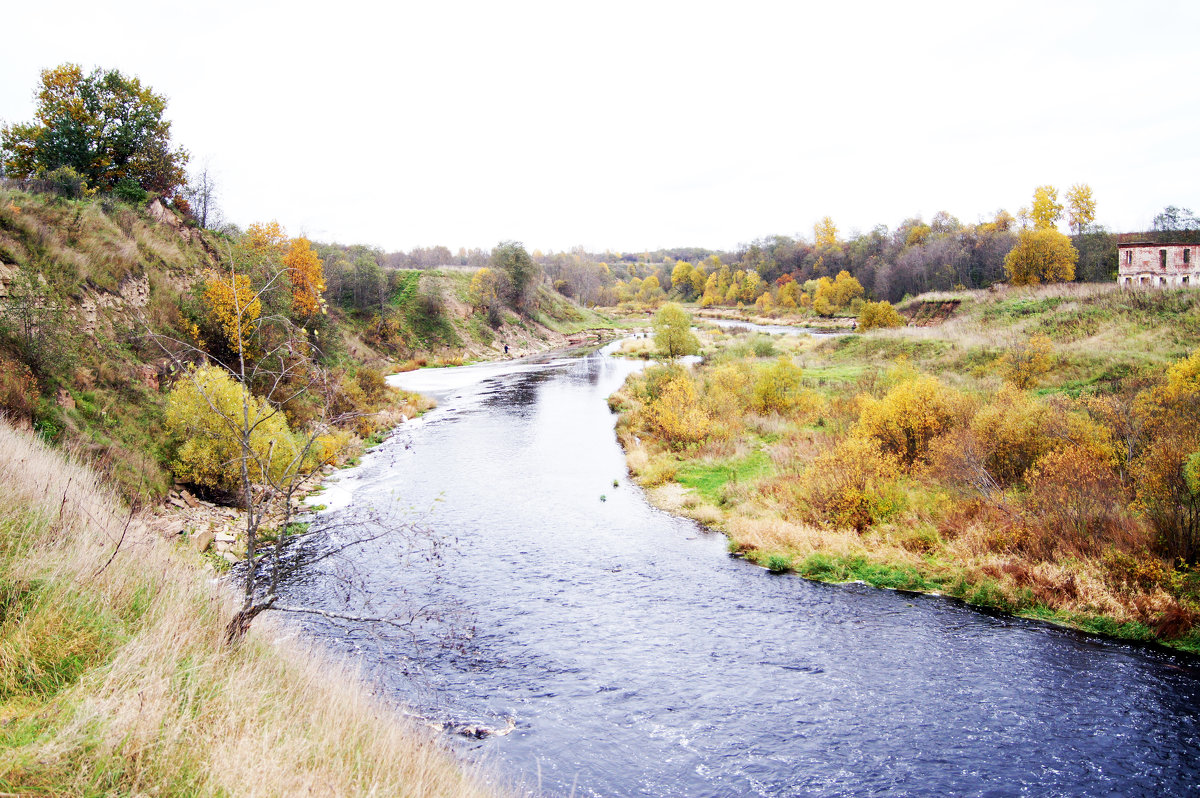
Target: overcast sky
[(639, 125)]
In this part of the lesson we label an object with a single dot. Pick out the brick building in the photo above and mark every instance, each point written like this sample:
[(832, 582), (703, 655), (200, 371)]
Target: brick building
[(1158, 259)]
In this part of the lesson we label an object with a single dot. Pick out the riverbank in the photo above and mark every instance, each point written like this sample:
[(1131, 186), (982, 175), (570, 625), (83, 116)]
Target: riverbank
[(912, 460), (114, 677)]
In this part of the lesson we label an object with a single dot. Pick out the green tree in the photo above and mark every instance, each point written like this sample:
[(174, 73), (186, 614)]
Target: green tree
[(105, 126), (511, 258), (1041, 256), (673, 332)]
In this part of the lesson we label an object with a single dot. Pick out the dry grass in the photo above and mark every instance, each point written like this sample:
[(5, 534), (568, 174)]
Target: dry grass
[(114, 678)]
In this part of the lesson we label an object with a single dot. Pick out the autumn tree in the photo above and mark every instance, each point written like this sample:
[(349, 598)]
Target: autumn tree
[(1025, 364), (875, 315), (673, 332), (1081, 208), (825, 233), (307, 278), (1046, 210), (107, 127), (681, 280), (233, 310), (1041, 256)]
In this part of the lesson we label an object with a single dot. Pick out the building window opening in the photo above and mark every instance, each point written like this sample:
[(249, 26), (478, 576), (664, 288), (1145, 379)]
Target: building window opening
[(1162, 259), (1185, 279)]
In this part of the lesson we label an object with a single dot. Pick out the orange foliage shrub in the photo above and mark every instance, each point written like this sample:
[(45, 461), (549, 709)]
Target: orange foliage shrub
[(1077, 499)]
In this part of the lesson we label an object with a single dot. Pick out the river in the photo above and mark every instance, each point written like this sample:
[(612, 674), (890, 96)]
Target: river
[(636, 657)]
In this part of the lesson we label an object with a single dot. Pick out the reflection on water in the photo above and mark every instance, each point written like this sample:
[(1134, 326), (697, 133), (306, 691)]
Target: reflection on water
[(637, 658)]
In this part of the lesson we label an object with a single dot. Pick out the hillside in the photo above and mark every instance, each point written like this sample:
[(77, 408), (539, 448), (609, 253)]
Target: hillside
[(93, 293)]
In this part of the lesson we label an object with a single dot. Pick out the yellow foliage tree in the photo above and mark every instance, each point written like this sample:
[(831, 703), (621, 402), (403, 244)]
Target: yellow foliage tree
[(1081, 207), (777, 386), (1024, 365), (908, 417), (1047, 210), (307, 276), (265, 240), (879, 314), (234, 306), (221, 427), (849, 485), (1041, 256), (825, 233), (677, 414)]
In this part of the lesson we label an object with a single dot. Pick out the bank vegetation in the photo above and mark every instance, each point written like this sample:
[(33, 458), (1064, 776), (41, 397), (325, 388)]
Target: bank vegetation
[(1038, 452)]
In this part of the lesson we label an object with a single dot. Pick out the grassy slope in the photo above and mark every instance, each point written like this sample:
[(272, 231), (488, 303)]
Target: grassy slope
[(114, 679), (1100, 335)]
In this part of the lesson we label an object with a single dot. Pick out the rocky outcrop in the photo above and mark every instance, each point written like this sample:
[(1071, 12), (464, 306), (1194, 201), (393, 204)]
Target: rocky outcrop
[(159, 211)]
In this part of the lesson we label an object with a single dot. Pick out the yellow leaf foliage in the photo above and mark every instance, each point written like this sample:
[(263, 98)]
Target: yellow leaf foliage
[(825, 233), (234, 306), (874, 315), (213, 416), (1046, 208), (1041, 256), (677, 414), (777, 386), (265, 240), (849, 486), (908, 417), (1024, 365)]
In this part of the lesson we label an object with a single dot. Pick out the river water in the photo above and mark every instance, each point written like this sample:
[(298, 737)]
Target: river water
[(636, 657)]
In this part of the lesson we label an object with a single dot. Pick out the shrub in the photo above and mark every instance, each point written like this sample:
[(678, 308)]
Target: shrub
[(1024, 365), (1013, 431), (676, 412), (777, 386), (206, 412), (850, 486), (881, 314), (763, 346), (1077, 497), (908, 417), (372, 383), (128, 190), (18, 389), (66, 182)]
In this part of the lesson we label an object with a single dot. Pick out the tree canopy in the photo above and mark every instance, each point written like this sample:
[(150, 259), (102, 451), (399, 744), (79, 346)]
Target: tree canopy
[(107, 127), (673, 332), (1041, 256)]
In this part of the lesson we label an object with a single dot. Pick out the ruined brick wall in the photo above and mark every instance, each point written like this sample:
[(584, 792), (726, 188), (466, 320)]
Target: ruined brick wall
[(1146, 264)]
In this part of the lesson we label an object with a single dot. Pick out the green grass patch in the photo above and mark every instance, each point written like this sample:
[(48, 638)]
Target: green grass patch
[(710, 478)]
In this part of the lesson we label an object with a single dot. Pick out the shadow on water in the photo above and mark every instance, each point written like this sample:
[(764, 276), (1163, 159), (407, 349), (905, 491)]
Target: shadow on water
[(634, 656)]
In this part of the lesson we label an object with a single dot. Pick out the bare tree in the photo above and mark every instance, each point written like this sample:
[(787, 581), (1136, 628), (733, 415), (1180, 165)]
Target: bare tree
[(201, 194), (275, 363)]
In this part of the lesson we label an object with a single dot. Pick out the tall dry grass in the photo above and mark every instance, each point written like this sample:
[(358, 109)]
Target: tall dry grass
[(114, 678)]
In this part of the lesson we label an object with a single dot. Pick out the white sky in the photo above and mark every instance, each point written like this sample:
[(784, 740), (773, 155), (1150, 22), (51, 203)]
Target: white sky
[(639, 125)]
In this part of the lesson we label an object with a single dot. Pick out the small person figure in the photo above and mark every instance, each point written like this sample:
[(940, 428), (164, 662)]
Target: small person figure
[(506, 350)]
